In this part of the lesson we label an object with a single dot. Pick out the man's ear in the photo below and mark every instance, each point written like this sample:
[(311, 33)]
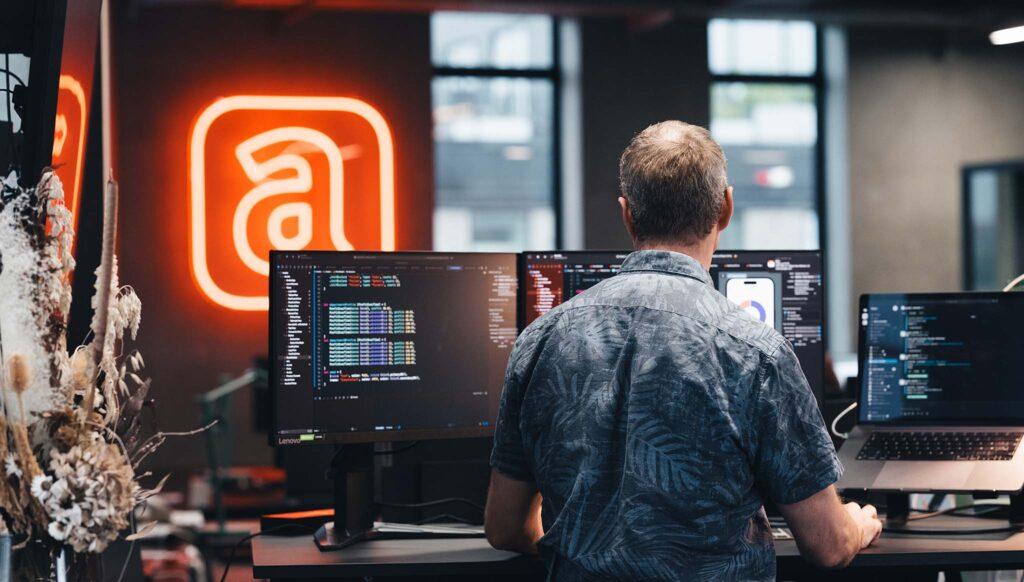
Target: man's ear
[(627, 216), (725, 217)]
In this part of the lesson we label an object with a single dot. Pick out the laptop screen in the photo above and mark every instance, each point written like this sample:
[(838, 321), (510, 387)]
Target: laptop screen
[(942, 358)]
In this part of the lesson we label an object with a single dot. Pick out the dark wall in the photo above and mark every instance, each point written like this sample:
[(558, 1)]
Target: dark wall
[(631, 79), (170, 63)]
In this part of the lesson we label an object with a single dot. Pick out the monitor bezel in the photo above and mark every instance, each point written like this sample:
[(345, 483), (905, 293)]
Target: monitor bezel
[(862, 354), (362, 437)]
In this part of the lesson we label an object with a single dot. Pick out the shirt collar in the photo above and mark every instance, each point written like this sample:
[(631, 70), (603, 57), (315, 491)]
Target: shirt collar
[(668, 262)]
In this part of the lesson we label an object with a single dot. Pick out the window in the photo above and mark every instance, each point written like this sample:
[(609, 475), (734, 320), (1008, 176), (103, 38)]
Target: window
[(993, 235), (765, 95), (495, 103)]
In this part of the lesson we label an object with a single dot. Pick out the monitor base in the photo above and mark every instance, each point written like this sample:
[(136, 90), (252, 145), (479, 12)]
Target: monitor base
[(329, 539)]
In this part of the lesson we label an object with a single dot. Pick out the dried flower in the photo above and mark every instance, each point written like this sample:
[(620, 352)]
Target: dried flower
[(81, 371), (35, 286), (18, 373), (11, 468), (88, 494), (68, 469)]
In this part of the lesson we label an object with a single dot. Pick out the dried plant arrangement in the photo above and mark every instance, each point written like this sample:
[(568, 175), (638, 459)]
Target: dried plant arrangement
[(71, 435)]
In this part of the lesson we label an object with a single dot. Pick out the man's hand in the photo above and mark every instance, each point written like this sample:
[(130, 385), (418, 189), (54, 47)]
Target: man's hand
[(867, 520), (828, 533)]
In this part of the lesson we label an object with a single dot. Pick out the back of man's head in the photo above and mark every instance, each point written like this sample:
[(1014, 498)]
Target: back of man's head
[(673, 176)]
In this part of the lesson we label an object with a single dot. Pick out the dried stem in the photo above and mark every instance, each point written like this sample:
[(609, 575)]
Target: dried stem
[(101, 319), (154, 442), (29, 464)]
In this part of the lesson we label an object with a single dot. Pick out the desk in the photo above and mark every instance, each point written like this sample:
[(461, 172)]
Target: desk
[(286, 558), (895, 554)]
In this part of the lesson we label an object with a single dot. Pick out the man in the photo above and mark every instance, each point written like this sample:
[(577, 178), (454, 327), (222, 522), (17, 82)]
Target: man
[(644, 423)]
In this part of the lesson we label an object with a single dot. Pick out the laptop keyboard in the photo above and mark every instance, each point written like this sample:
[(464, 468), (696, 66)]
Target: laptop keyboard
[(940, 446)]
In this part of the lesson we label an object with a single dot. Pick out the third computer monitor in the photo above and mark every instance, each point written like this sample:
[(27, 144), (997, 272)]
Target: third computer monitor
[(783, 289)]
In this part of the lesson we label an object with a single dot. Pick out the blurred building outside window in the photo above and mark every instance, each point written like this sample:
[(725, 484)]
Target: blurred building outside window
[(765, 93), (494, 103)]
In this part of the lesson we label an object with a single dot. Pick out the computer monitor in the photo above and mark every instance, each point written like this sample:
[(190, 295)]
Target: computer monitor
[(548, 279), (388, 346), (942, 358), (782, 288)]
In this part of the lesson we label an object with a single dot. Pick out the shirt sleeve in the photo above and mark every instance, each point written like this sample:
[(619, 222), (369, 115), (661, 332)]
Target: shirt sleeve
[(508, 456), (794, 456)]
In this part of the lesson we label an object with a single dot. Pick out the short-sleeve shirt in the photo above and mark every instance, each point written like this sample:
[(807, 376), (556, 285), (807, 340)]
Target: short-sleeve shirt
[(655, 417)]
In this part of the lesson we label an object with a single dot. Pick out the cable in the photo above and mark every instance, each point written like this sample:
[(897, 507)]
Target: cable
[(835, 422), (231, 556), (954, 532), (1014, 283), (446, 517), (445, 501), (398, 450), (927, 513), (936, 503)]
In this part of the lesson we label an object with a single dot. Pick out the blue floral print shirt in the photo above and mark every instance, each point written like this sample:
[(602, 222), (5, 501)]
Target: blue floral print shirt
[(655, 418)]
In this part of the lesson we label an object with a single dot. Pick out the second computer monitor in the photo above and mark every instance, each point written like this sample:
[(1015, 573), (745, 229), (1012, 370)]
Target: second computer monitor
[(783, 289)]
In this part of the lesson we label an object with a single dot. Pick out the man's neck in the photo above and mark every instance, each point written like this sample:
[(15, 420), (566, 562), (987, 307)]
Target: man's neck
[(700, 251)]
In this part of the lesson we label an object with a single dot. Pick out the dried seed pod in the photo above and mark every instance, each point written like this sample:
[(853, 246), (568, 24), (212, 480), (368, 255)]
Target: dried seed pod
[(19, 374), (81, 370)]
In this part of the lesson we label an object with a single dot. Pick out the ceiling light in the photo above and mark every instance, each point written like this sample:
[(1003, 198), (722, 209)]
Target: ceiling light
[(1007, 35)]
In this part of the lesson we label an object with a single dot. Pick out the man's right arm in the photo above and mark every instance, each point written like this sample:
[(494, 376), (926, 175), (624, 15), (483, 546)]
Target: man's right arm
[(829, 533), (796, 466)]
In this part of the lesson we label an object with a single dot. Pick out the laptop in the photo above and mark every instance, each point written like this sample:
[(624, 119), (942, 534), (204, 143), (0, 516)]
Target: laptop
[(941, 404)]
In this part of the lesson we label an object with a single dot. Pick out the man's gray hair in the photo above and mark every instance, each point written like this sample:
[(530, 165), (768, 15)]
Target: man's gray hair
[(673, 175)]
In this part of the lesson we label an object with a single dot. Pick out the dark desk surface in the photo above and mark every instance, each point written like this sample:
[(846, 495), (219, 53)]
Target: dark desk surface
[(958, 552), (298, 557)]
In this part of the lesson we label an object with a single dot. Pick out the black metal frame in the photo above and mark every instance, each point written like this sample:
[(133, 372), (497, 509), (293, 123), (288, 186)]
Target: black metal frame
[(817, 82), (43, 81), (967, 243), (553, 74)]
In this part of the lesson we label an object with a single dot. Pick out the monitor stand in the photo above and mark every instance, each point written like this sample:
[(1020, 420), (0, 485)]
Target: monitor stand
[(352, 470), (898, 510)]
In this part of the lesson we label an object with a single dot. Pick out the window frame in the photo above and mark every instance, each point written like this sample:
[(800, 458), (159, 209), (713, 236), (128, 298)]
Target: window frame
[(816, 82), (552, 73)]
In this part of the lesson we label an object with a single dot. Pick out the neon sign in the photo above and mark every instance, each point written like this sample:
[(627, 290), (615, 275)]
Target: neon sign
[(69, 139), (287, 173)]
